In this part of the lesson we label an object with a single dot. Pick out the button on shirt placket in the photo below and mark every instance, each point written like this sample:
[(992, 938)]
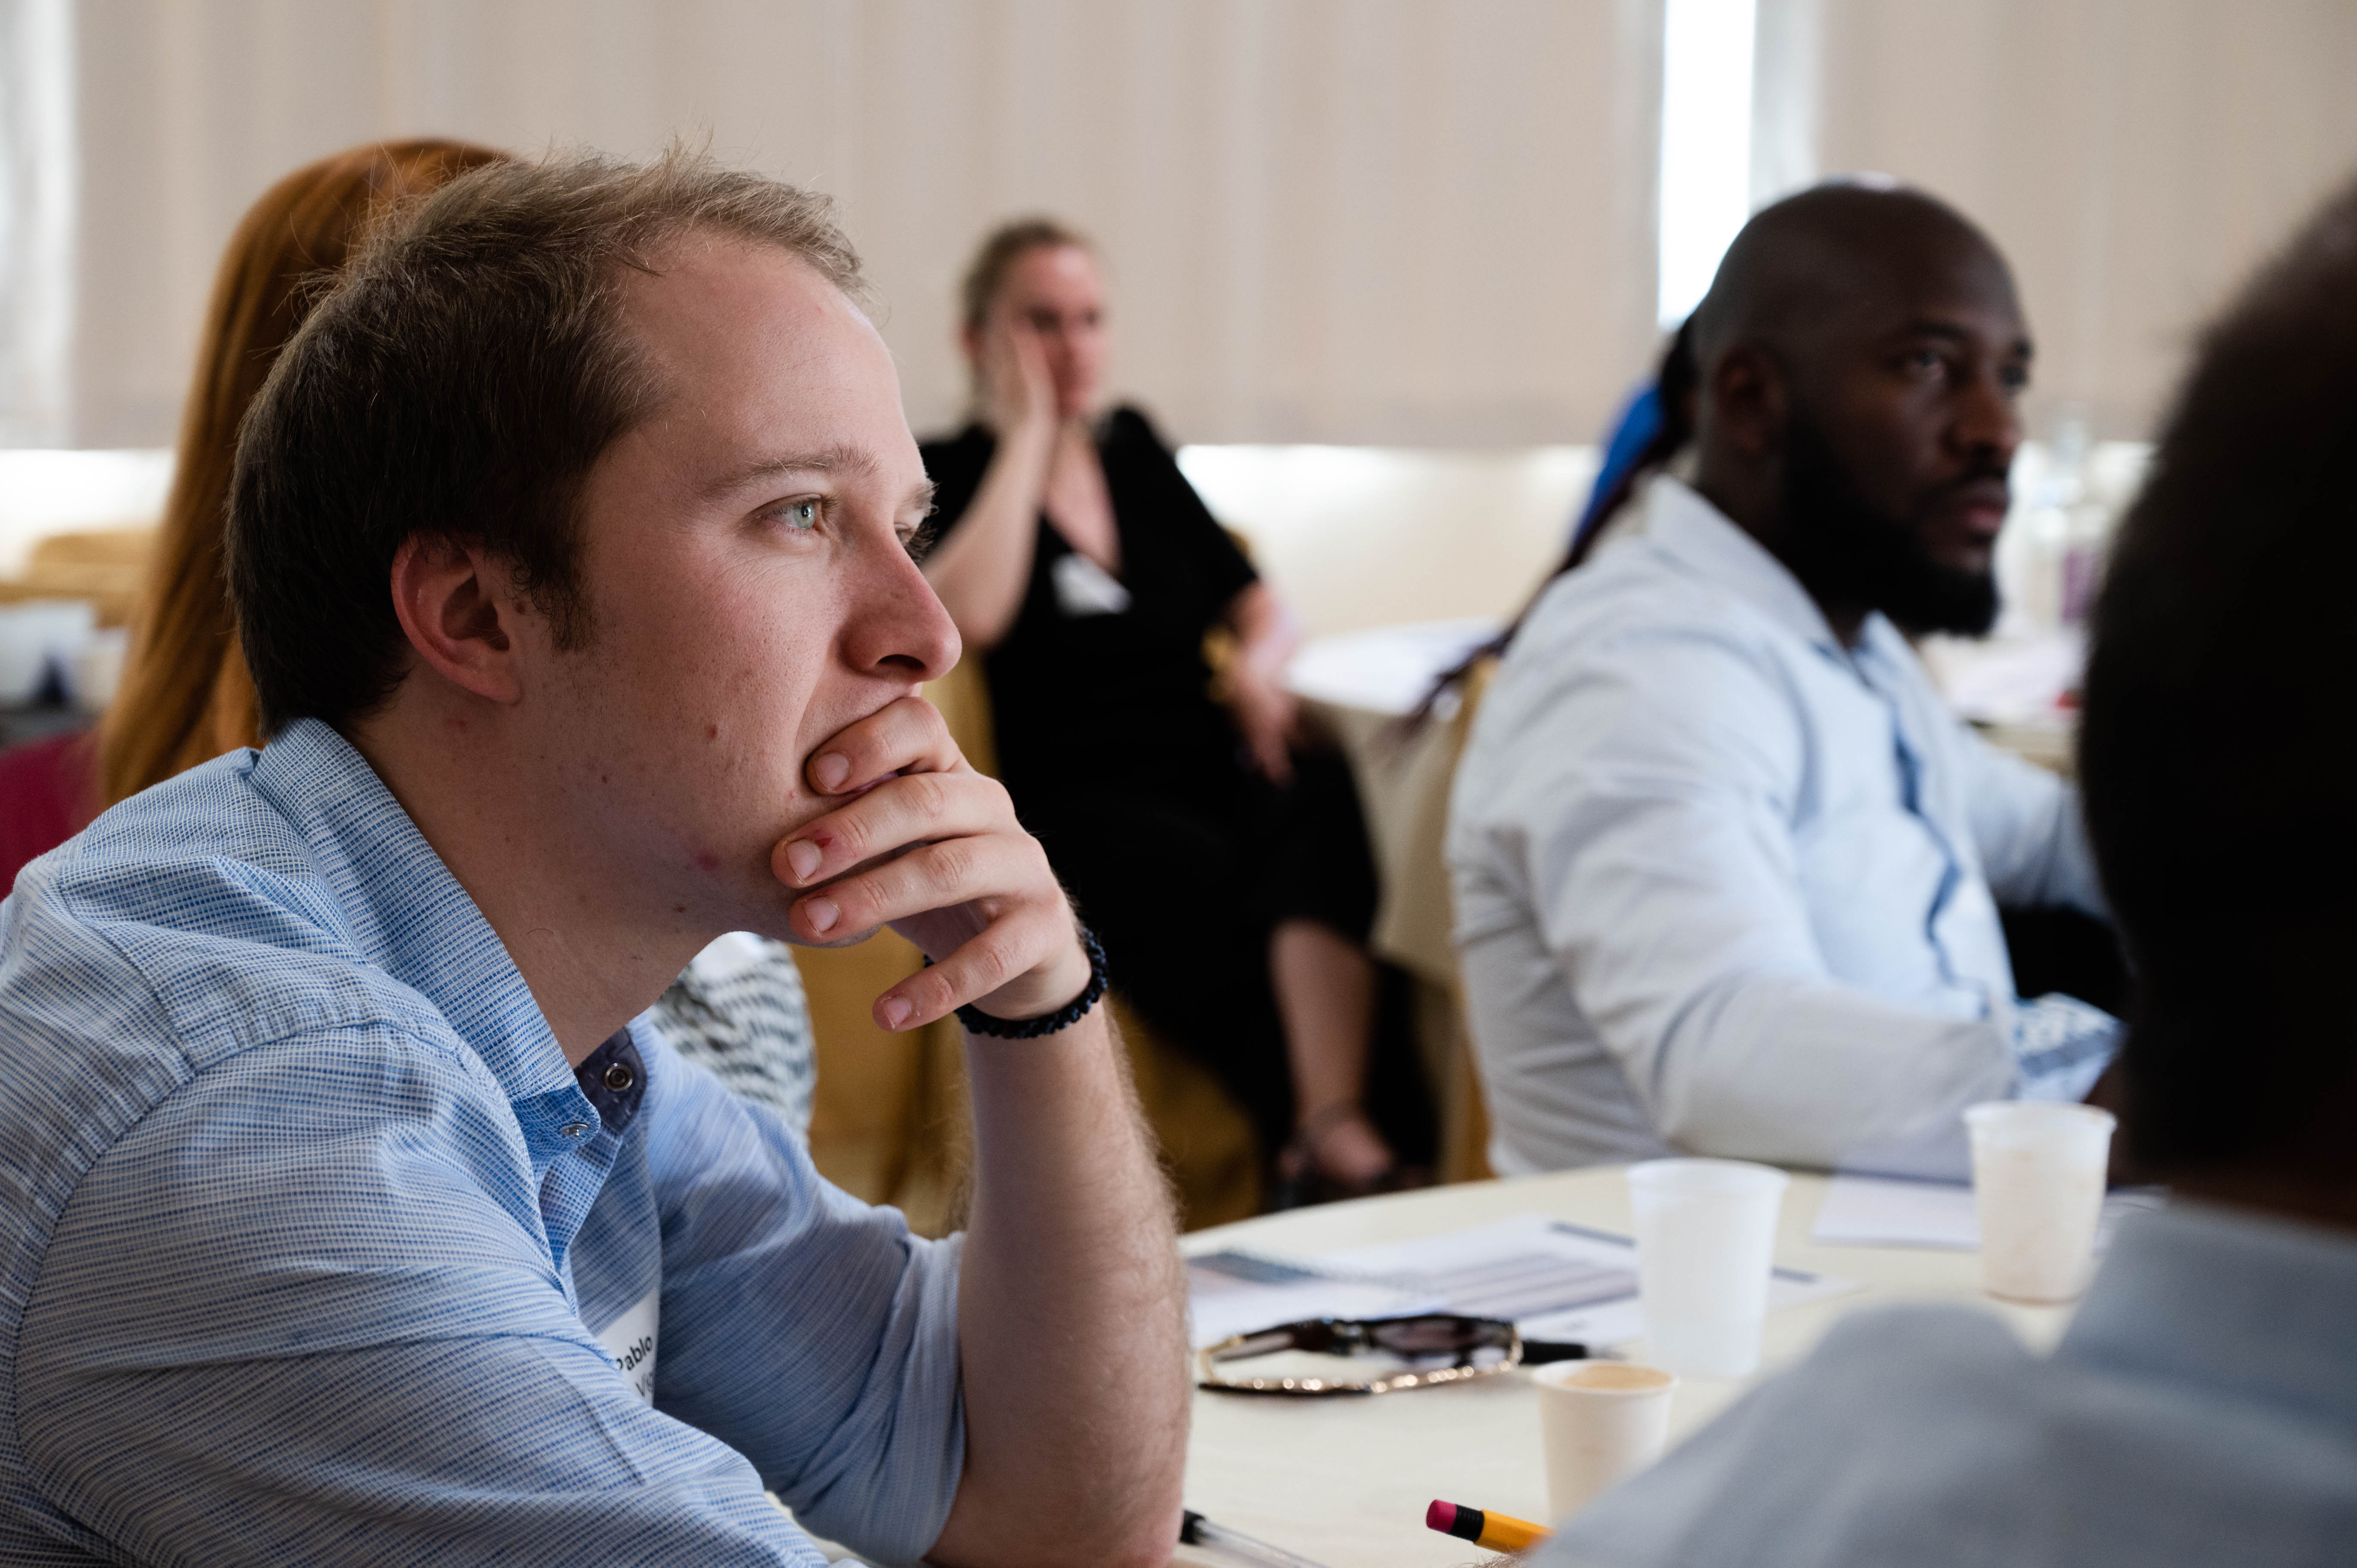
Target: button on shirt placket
[(590, 1120)]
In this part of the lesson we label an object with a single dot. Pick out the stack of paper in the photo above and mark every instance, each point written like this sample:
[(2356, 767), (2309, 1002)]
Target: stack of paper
[(1878, 1212), (1556, 1280)]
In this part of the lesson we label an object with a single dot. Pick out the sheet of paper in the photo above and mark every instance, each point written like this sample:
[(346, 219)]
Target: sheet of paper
[(1876, 1211), (1558, 1281)]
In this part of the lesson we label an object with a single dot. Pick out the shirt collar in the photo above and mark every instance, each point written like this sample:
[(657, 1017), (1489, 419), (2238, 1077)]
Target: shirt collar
[(2256, 1307), (404, 913), (1706, 542), (615, 1079)]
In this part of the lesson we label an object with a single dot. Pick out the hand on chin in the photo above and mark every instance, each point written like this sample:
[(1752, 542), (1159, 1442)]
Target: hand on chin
[(922, 842)]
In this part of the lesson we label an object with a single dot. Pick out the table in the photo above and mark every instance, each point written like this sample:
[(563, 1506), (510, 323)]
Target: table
[(1345, 1481)]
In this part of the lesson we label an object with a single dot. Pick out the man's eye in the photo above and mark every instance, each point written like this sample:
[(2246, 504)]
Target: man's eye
[(1926, 362), (803, 515)]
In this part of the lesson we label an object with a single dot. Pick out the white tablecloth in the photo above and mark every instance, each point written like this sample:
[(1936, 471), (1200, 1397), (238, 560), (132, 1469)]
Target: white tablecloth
[(1345, 1481)]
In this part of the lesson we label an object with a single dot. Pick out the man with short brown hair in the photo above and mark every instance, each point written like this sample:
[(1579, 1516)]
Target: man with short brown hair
[(355, 1220)]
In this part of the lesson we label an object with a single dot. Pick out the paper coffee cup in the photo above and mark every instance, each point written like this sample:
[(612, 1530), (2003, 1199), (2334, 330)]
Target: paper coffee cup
[(2038, 1187), (1599, 1422), (1705, 1247)]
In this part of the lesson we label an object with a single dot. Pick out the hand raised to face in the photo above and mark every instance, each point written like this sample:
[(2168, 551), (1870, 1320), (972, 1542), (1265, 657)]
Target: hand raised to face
[(1018, 388), (925, 845)]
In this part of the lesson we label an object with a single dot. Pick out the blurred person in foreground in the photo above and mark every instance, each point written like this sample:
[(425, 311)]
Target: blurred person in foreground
[(2203, 1406), (186, 696), (1224, 860), (359, 1214), (1726, 868)]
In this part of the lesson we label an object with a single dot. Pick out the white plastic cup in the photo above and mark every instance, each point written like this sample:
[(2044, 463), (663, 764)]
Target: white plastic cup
[(2038, 1185), (1599, 1422), (1705, 1246)]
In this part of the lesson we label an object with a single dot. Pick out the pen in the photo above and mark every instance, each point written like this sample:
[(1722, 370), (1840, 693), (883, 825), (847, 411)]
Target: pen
[(1539, 1352), (1497, 1531), (1194, 1530)]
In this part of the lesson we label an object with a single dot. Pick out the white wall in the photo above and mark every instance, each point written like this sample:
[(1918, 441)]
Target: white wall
[(1357, 537)]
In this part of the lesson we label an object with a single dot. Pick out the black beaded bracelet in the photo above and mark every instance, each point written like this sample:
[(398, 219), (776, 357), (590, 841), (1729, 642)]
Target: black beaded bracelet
[(981, 1023)]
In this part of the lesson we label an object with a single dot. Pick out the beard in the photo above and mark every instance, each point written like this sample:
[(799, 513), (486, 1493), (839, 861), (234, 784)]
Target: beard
[(1844, 549)]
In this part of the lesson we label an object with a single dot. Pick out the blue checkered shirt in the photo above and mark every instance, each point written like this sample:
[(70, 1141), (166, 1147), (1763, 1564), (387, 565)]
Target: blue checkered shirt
[(318, 1251)]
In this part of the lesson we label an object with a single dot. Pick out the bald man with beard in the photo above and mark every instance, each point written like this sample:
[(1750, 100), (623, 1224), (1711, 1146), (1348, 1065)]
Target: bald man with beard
[(2202, 1408), (1727, 871)]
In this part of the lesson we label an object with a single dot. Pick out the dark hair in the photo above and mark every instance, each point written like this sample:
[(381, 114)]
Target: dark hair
[(986, 273), (1675, 383), (2216, 753), (460, 380)]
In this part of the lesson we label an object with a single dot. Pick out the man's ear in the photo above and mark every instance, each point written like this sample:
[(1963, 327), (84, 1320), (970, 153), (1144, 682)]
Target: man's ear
[(457, 611), (1748, 401)]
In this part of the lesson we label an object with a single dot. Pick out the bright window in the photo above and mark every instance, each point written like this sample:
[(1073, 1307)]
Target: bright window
[(1706, 189)]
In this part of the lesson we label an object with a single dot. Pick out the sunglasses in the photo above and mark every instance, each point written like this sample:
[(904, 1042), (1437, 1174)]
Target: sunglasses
[(1466, 1347)]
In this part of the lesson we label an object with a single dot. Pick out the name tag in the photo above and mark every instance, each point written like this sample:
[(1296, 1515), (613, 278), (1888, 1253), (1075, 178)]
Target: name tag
[(1085, 588), (629, 1339)]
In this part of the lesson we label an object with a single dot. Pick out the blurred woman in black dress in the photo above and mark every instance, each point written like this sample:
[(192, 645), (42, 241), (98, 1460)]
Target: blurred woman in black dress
[(1223, 864)]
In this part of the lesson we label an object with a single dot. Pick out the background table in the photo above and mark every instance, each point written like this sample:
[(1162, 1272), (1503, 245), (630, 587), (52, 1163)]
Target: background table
[(1345, 1481)]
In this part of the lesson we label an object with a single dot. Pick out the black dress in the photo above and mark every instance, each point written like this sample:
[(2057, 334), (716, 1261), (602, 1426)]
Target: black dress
[(1180, 853)]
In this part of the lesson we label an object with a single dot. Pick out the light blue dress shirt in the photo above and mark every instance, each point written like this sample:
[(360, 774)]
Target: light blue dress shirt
[(1726, 886), (2201, 1410), (316, 1252)]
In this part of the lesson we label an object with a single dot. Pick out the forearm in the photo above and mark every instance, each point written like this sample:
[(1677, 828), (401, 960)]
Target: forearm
[(1071, 1349), (980, 571), (1812, 1072), (1070, 1318)]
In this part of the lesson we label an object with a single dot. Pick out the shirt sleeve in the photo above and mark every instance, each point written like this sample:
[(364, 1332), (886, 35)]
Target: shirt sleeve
[(2027, 827), (806, 1329), (335, 1335), (1648, 803)]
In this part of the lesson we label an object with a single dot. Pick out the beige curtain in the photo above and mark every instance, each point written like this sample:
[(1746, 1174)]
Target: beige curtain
[(1425, 223), (1344, 220), (2134, 158)]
